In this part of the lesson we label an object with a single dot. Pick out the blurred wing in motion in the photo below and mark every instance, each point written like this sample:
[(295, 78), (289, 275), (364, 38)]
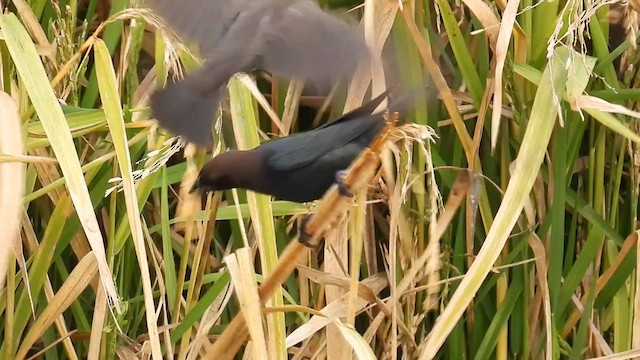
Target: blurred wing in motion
[(292, 38), (203, 21)]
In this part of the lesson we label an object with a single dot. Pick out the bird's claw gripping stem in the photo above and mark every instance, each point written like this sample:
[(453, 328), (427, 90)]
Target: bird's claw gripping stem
[(342, 188), (304, 236)]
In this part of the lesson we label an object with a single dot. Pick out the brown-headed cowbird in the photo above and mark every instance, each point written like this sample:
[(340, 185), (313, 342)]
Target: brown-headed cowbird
[(291, 38), (299, 167)]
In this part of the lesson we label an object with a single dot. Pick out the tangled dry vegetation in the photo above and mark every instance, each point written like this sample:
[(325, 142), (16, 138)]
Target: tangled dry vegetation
[(498, 221)]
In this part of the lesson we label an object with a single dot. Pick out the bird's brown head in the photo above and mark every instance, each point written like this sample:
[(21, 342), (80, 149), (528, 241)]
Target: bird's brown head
[(232, 169)]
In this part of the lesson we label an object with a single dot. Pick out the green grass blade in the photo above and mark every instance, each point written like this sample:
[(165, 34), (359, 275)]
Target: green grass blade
[(111, 102), (32, 74)]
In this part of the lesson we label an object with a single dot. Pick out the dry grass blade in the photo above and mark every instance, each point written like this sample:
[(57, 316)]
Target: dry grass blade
[(40, 353), (99, 316), (591, 102), (382, 14), (75, 284), (291, 103), (35, 29), (357, 292), (541, 266), (360, 347), (337, 309), (11, 180), (355, 342), (26, 158), (209, 320), (424, 47), (242, 274), (251, 85), (631, 354), (629, 245), (323, 278), (502, 48), (487, 18), (456, 197)]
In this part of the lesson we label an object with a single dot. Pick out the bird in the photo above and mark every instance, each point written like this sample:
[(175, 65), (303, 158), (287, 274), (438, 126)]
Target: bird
[(289, 38), (300, 167)]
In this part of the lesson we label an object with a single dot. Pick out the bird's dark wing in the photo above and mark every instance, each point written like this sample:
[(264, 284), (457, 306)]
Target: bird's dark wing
[(304, 41), (203, 21), (188, 107), (299, 150)]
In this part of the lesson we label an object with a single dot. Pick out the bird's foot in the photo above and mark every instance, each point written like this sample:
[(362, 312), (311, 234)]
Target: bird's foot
[(304, 238), (342, 187)]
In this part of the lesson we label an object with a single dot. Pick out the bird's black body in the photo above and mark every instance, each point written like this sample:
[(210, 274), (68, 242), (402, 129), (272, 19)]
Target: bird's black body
[(300, 167), (299, 170), (292, 38)]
